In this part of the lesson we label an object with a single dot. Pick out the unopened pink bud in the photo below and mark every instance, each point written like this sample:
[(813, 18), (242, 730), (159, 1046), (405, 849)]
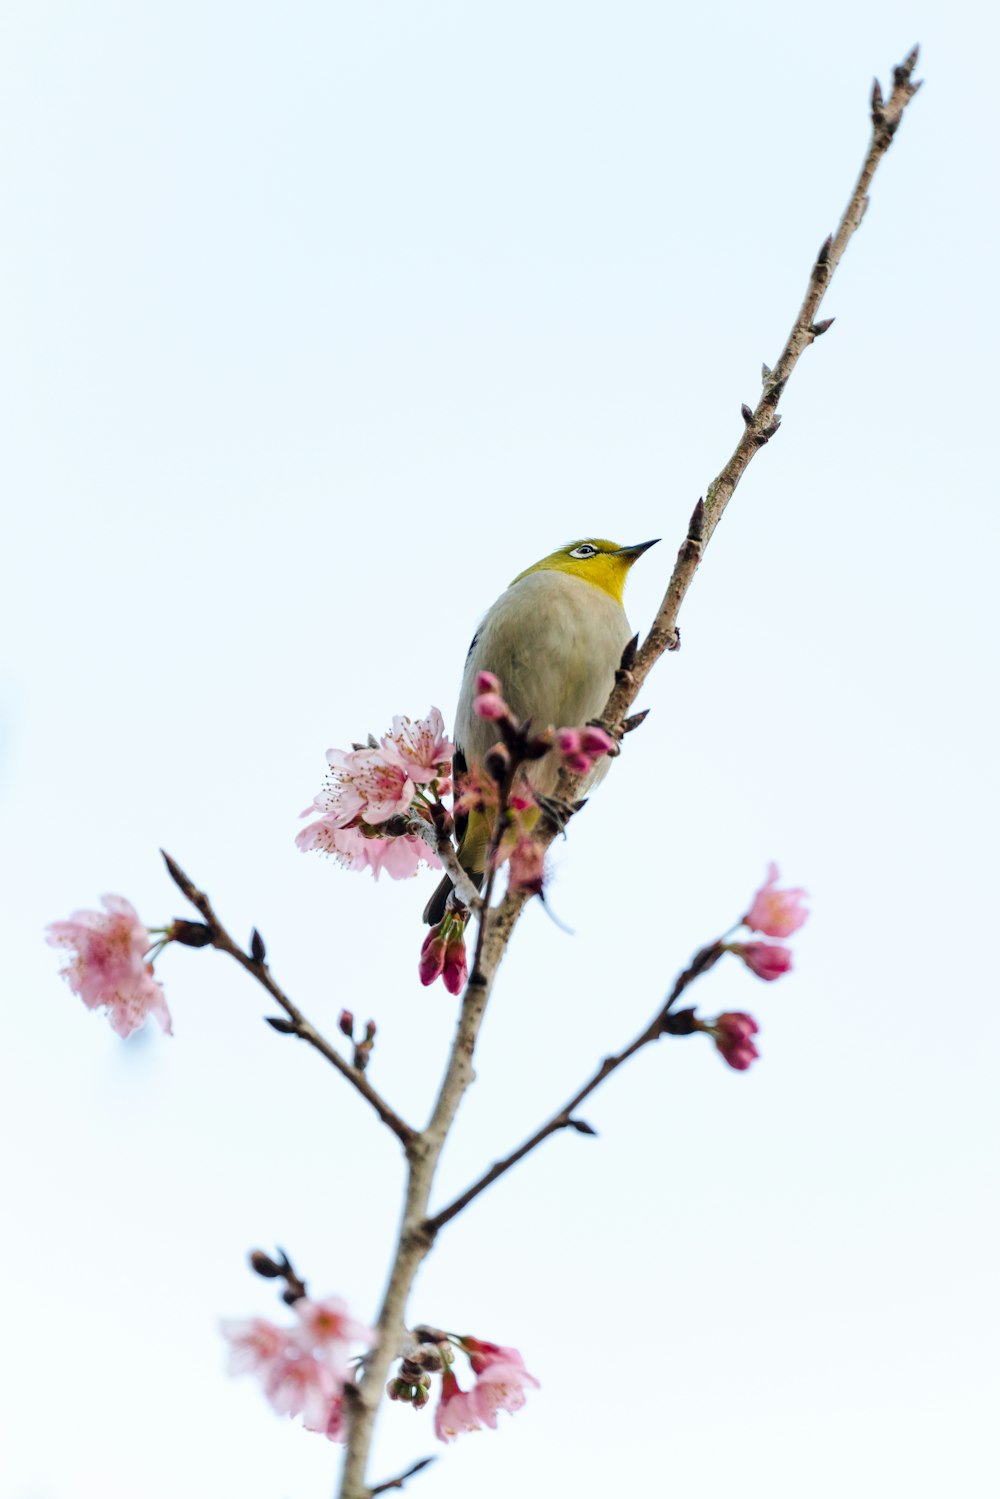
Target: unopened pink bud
[(569, 741), (432, 956), (595, 741), (346, 1023), (768, 960), (487, 682), (455, 964), (490, 705), (732, 1033), (579, 764)]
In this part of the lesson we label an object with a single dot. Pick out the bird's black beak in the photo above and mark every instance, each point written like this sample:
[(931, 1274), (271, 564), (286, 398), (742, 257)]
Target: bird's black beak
[(634, 553)]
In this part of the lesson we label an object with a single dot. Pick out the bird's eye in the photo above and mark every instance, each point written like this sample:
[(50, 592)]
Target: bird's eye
[(584, 551)]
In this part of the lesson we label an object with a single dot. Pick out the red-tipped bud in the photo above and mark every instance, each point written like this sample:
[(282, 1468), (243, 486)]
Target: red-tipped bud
[(490, 705), (768, 960), (487, 682), (732, 1034), (432, 953), (346, 1024), (455, 964), (596, 741)]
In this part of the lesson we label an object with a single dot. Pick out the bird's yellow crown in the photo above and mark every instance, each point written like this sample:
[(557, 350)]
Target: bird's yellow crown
[(595, 560)]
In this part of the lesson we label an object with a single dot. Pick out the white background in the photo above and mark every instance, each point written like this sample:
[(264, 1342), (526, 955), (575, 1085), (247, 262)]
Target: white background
[(320, 322)]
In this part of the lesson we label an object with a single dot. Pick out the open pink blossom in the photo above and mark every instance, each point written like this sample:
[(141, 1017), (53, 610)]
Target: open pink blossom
[(108, 966), (256, 1346), (732, 1034), (366, 783), (501, 1378), (456, 1412), (421, 749), (768, 960), (501, 1387), (776, 913), (334, 1424), (399, 857), (327, 1325), (302, 1384)]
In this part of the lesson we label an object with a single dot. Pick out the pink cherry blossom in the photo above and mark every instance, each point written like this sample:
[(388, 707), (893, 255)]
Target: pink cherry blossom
[(776, 913), (302, 1384), (108, 965), (732, 1033), (256, 1346), (334, 1425), (501, 1387), (456, 1412), (366, 783), (399, 857), (420, 749), (768, 960), (327, 1325)]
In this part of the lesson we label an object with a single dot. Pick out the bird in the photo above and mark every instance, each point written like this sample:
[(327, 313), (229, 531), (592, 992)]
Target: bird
[(555, 640)]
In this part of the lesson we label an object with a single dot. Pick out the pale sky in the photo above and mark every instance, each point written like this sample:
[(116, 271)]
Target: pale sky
[(321, 322)]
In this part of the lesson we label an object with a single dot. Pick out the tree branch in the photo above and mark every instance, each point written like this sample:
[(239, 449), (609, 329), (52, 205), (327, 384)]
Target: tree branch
[(416, 1233), (299, 1025), (659, 1026)]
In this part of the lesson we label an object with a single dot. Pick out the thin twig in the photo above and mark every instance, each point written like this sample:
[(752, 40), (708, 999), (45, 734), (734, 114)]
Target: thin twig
[(300, 1026), (397, 1483), (703, 960)]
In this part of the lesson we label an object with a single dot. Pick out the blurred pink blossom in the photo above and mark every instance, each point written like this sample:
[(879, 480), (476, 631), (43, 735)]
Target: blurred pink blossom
[(768, 960), (108, 966), (776, 913), (328, 1325), (302, 1369), (527, 865), (456, 1412)]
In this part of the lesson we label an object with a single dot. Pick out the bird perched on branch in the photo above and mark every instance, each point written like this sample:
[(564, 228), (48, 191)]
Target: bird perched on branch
[(555, 640)]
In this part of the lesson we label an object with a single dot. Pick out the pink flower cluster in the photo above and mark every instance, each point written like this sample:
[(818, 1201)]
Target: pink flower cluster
[(775, 913), (303, 1369), (500, 1385), (443, 954), (108, 965), (370, 786)]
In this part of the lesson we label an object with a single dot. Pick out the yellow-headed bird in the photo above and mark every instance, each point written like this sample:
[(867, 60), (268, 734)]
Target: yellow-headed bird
[(555, 640)]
